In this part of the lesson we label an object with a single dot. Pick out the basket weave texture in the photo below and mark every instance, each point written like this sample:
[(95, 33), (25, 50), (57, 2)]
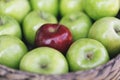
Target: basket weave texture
[(109, 71)]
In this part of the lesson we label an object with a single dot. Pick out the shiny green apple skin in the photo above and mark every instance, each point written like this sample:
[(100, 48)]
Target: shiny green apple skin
[(97, 9), (107, 31), (78, 23), (33, 22), (12, 49), (85, 54), (18, 9), (9, 26), (70, 6), (44, 60), (50, 6)]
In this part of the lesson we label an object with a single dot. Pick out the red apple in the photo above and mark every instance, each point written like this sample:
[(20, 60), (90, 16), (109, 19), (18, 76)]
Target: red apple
[(56, 36)]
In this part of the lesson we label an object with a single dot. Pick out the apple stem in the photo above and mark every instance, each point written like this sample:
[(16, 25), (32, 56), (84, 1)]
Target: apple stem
[(57, 27)]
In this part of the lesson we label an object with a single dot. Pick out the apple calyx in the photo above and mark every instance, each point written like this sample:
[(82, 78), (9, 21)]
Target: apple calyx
[(89, 56), (43, 66), (117, 30)]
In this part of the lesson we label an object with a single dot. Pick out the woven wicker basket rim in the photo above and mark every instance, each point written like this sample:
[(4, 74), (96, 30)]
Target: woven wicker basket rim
[(109, 71)]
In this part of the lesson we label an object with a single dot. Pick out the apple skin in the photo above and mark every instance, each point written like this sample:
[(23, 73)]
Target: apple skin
[(78, 23), (70, 6), (56, 36), (44, 60), (85, 54), (18, 9), (11, 51), (9, 26), (107, 31), (97, 9), (51, 6), (33, 21)]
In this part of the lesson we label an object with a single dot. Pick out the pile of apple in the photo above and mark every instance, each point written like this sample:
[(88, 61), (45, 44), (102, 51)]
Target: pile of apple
[(58, 36)]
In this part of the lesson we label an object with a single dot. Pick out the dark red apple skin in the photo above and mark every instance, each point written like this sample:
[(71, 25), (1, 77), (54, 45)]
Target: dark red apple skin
[(56, 36)]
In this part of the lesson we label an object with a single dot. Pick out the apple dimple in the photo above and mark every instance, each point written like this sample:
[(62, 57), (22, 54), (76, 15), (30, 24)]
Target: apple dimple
[(7, 1), (54, 28), (73, 18), (43, 16), (117, 29), (51, 30), (1, 21)]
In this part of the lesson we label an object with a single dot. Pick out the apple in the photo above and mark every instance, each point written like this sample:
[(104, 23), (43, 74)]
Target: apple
[(97, 9), (78, 23), (107, 31), (12, 49), (33, 21), (50, 6), (44, 60), (70, 6), (54, 35), (85, 54), (18, 9), (9, 26)]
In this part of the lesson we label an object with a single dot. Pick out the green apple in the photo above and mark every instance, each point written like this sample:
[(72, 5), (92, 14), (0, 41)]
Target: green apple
[(78, 23), (15, 8), (50, 6), (33, 22), (85, 54), (12, 49), (44, 60), (70, 6), (107, 31), (97, 9), (9, 26)]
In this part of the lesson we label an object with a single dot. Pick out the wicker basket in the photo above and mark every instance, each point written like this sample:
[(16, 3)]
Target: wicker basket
[(109, 71)]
